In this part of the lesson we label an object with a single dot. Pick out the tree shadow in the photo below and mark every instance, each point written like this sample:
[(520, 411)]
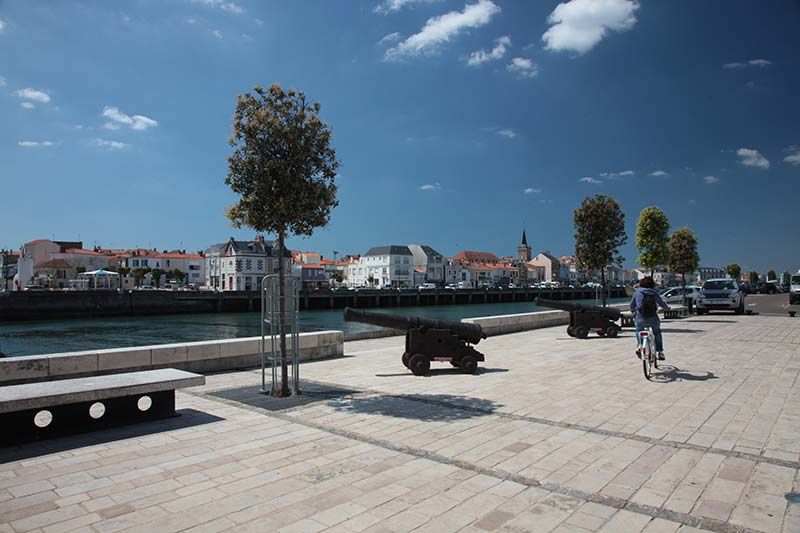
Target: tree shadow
[(423, 407), (669, 373), (681, 330), (186, 418), (713, 321)]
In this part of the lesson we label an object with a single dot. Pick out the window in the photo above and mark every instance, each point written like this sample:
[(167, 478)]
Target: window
[(260, 265), (405, 260), (248, 265), (144, 262), (238, 265)]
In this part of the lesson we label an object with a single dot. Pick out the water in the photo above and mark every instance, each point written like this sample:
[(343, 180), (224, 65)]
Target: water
[(69, 335)]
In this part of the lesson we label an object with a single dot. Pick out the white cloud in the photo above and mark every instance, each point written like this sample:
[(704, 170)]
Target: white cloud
[(507, 132), (616, 175), (111, 145), (794, 155), (752, 158), (523, 67), (391, 6), (659, 174), (2, 81), (578, 25), (2, 25), (589, 179), (259, 22), (27, 105), (217, 34), (228, 7), (390, 38), (480, 57), (531, 190), (751, 63), (711, 179), (440, 30), (35, 144), (135, 122), (430, 187), (33, 94)]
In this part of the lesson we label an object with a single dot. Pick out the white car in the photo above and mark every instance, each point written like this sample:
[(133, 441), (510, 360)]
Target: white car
[(720, 294), (675, 294), (794, 290)]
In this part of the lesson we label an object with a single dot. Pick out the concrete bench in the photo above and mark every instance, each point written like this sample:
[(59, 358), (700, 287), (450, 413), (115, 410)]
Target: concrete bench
[(47, 409)]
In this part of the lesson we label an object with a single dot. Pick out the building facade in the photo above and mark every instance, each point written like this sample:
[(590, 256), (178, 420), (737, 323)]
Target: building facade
[(242, 265), (383, 266), (430, 262), (551, 265)]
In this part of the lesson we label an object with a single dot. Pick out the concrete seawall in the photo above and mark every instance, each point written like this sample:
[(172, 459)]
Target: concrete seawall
[(500, 324), (206, 356)]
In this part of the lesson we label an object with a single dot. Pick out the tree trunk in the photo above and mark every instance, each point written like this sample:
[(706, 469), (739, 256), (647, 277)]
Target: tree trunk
[(683, 280), (603, 284), (284, 392)]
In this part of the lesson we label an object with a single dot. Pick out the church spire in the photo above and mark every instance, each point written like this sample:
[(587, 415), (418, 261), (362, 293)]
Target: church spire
[(524, 238)]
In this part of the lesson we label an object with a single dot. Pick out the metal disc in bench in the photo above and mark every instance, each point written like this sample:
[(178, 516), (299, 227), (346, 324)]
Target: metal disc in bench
[(43, 418), (97, 410), (144, 403)]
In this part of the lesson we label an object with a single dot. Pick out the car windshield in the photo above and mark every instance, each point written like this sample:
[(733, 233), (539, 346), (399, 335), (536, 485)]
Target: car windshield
[(721, 285), (795, 280)]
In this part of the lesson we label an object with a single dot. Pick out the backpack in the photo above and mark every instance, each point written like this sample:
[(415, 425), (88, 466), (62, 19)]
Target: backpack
[(649, 307)]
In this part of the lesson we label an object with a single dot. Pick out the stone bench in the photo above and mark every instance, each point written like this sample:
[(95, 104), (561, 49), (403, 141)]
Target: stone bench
[(46, 409), (677, 311)]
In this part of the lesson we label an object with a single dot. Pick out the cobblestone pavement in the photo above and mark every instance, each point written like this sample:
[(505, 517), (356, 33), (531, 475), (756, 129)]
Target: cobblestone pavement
[(553, 434)]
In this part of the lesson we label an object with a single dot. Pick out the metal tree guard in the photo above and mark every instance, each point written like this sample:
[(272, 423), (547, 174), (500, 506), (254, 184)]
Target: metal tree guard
[(271, 325)]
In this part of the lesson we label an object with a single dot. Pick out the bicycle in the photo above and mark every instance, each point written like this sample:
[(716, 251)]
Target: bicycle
[(648, 351)]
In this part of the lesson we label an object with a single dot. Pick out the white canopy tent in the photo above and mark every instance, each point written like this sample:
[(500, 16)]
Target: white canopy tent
[(101, 279)]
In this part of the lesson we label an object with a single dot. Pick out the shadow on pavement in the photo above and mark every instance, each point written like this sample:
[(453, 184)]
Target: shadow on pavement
[(681, 330), (713, 321), (444, 371), (669, 373), (187, 418), (424, 407)]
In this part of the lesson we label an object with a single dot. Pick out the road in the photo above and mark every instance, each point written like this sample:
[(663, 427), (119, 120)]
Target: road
[(770, 304)]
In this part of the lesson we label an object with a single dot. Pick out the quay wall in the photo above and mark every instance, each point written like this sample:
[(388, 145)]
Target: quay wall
[(46, 305), (502, 324), (205, 356)]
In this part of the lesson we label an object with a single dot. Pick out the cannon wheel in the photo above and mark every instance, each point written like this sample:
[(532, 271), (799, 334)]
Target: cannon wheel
[(405, 359), (601, 332), (419, 364), (581, 332), (469, 364), (570, 331), (612, 331)]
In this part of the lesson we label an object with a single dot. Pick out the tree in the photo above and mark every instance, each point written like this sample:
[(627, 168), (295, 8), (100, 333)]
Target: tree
[(599, 233), (771, 275), (683, 256), (652, 239), (283, 167), (123, 270), (734, 271), (753, 277), (157, 273), (786, 278)]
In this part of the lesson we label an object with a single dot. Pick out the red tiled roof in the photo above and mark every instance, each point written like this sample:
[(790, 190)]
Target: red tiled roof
[(81, 251), (54, 263), (471, 256)]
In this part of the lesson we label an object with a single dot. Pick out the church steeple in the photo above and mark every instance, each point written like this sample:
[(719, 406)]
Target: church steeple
[(523, 250)]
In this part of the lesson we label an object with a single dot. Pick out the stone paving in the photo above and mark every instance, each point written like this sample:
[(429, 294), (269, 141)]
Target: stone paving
[(553, 434)]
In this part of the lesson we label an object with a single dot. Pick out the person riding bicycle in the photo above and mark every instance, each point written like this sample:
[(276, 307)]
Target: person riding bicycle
[(644, 305)]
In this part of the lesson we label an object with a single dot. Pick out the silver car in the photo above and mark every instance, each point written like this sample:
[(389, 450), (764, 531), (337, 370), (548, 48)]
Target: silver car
[(675, 294), (720, 295)]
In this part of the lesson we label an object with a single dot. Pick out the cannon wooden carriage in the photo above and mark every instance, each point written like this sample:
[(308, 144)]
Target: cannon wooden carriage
[(429, 340), (585, 318)]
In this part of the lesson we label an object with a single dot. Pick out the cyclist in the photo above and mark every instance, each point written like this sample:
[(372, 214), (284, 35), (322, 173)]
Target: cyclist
[(644, 305)]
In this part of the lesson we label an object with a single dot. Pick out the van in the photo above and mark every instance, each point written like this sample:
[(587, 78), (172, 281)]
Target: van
[(794, 290)]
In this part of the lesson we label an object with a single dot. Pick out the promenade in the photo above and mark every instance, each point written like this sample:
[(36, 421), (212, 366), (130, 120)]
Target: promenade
[(552, 434)]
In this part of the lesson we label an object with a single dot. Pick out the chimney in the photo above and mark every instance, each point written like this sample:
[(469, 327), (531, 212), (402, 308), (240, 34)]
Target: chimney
[(260, 239)]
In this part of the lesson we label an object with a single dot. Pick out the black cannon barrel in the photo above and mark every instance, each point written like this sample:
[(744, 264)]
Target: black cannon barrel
[(467, 332), (611, 312)]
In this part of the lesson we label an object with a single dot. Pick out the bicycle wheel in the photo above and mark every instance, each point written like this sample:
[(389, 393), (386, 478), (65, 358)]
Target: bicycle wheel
[(646, 362)]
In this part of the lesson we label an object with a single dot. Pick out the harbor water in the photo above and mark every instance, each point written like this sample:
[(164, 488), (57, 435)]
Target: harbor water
[(69, 335)]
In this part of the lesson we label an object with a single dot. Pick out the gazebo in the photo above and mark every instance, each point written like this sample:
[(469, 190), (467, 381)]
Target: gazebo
[(101, 279)]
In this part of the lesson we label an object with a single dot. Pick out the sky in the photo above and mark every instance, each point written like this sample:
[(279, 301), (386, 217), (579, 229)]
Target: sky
[(456, 123)]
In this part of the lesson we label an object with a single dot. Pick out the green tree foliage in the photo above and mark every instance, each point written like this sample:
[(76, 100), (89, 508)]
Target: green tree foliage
[(786, 278), (652, 238), (754, 277), (599, 234), (772, 275), (157, 273), (283, 168), (177, 275), (683, 256), (123, 270), (734, 271)]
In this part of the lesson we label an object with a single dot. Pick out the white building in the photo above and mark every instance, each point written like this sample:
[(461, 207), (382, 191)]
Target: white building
[(54, 263), (551, 265), (383, 266), (429, 260), (241, 265), (192, 265)]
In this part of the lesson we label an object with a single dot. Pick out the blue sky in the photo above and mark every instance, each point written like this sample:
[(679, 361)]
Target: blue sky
[(456, 122)]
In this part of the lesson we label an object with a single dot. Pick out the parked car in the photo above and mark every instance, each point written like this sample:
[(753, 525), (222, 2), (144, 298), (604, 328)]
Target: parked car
[(675, 294), (794, 290), (427, 286), (720, 295), (451, 286), (769, 287)]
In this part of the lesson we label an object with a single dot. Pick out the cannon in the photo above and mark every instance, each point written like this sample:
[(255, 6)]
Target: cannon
[(429, 340), (585, 318)]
